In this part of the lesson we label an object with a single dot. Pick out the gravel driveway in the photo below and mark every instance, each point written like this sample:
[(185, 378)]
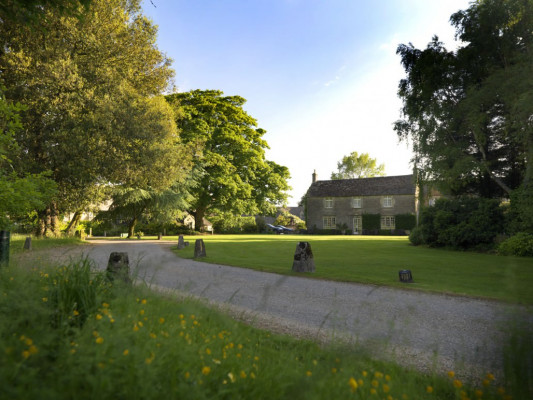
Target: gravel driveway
[(431, 332)]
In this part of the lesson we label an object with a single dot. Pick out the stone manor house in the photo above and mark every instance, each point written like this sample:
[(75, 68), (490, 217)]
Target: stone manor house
[(341, 204)]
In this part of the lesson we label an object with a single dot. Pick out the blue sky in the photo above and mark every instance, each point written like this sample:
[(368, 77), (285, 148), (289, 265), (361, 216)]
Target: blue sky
[(320, 76)]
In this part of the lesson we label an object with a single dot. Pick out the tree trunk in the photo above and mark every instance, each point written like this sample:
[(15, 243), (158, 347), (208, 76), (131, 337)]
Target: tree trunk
[(55, 230), (73, 224), (199, 215), (131, 227)]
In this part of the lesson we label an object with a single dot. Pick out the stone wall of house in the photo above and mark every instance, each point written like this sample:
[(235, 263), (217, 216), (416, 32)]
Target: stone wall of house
[(344, 212)]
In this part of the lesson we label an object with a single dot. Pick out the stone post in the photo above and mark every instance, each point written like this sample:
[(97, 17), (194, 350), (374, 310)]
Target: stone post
[(181, 243), (303, 258), (5, 237), (118, 267), (160, 236), (199, 248), (27, 243)]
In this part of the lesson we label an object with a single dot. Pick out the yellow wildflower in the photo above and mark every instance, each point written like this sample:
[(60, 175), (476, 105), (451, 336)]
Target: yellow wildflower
[(378, 375), (98, 317), (309, 373), (479, 393), (360, 382), (125, 352), (353, 384), (28, 342), (486, 382), (95, 334), (386, 388), (374, 383), (451, 374), (387, 378), (99, 340), (457, 384), (141, 312), (33, 350), (135, 328), (252, 375), (45, 299), (206, 370), (143, 301), (161, 320), (429, 389), (105, 305), (490, 377), (76, 312), (373, 391), (333, 370), (243, 375), (365, 374), (231, 377), (207, 351), (25, 354)]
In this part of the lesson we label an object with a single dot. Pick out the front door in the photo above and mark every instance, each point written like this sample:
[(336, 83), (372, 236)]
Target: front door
[(357, 225)]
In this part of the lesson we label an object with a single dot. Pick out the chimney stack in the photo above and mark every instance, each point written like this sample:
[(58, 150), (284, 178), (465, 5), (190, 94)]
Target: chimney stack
[(314, 176)]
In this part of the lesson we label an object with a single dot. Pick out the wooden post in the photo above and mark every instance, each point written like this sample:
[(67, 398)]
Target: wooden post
[(5, 237)]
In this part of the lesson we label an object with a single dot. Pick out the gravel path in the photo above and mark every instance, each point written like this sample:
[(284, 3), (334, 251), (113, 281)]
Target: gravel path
[(431, 332)]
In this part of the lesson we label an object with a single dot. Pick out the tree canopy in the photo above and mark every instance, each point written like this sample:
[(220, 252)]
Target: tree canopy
[(93, 113), (230, 156), (355, 166), (469, 112)]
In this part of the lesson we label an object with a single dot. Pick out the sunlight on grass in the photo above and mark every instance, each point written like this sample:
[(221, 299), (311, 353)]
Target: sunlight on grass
[(377, 260)]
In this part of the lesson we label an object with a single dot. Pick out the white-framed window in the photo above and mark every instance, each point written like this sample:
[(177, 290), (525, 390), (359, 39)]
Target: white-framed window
[(357, 202), (328, 202), (329, 222), (387, 201), (388, 222)]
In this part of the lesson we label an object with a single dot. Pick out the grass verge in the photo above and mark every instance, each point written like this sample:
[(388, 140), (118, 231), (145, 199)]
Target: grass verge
[(377, 260), (68, 333), (17, 243)]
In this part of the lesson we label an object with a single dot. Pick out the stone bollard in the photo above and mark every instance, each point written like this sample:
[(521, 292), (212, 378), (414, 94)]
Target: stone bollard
[(5, 238), (303, 258), (199, 248), (160, 237), (118, 267), (27, 243), (181, 243)]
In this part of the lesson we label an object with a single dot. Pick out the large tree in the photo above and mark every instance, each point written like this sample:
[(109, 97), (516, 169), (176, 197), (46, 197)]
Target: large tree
[(230, 156), (469, 112), (93, 114), (354, 166)]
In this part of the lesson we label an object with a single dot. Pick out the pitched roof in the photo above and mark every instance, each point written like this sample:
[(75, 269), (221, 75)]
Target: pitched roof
[(379, 186)]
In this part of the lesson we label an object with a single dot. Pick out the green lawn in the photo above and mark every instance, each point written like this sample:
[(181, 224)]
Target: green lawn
[(377, 260)]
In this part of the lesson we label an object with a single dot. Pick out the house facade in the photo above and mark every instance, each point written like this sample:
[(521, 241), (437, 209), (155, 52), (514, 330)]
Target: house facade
[(342, 204)]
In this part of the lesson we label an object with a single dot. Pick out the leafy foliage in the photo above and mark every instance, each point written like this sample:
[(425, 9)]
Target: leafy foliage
[(371, 221), (468, 113), (230, 155), (226, 222), (93, 114), (520, 244), (354, 166), (405, 221), (462, 223)]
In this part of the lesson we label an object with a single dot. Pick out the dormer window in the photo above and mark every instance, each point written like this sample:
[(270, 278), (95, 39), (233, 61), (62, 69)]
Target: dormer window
[(387, 201), (328, 202), (357, 202)]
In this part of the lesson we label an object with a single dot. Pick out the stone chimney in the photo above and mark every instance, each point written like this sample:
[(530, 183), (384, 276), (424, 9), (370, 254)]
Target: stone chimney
[(314, 176)]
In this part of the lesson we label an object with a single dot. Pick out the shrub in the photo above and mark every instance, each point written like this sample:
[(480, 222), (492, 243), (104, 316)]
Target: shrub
[(229, 223), (520, 244), (405, 221), (371, 221), (416, 237), (462, 223)]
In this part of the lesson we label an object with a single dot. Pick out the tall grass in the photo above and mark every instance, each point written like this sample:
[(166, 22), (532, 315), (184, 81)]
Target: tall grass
[(68, 333)]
